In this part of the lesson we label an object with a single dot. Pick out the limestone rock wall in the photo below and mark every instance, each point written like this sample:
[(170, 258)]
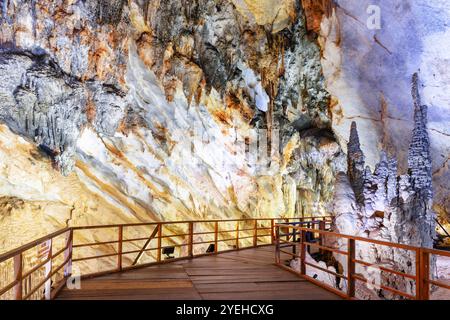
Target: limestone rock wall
[(122, 111)]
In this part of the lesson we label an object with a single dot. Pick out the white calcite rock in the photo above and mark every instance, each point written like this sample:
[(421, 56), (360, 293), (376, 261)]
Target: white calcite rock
[(254, 89), (322, 276), (388, 208)]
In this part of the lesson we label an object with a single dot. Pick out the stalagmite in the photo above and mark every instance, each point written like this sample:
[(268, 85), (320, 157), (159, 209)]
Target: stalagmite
[(389, 207)]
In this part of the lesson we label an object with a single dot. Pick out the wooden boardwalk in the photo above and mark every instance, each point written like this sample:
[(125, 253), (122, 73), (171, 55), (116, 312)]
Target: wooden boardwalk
[(245, 274)]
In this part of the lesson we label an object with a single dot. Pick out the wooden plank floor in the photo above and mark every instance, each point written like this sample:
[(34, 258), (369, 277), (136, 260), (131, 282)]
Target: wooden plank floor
[(245, 274)]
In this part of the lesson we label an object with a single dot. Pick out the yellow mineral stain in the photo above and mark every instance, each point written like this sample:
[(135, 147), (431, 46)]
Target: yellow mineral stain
[(139, 212), (276, 12), (149, 148), (128, 164), (232, 194), (137, 19), (289, 149)]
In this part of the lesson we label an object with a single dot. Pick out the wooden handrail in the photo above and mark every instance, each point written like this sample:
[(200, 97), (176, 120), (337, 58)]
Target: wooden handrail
[(345, 236), (137, 224), (421, 277), (25, 247), (21, 285)]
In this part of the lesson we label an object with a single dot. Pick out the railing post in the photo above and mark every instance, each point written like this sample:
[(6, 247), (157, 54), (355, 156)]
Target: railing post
[(68, 254), (294, 239), (351, 249), (158, 257), (237, 235), (321, 228), (277, 244), (48, 269), (216, 237), (255, 233), (321, 235), (18, 276), (272, 230), (119, 249), (191, 239), (303, 252), (424, 275), (286, 221), (313, 226), (418, 274)]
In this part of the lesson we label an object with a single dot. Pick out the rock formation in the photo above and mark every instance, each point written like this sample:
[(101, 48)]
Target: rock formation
[(161, 110), (386, 206), (367, 71)]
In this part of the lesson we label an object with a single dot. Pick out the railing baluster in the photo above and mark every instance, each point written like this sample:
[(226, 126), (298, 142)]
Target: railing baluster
[(286, 221), (294, 239), (272, 230), (28, 284), (418, 275), (191, 240), (255, 233), (313, 226), (48, 270), (120, 249), (158, 257), (216, 236), (18, 276), (321, 235), (68, 254), (277, 244), (351, 249), (303, 252), (424, 274), (237, 234)]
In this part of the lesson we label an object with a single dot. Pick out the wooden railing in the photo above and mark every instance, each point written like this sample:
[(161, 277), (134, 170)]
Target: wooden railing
[(38, 270), (31, 271), (422, 278)]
